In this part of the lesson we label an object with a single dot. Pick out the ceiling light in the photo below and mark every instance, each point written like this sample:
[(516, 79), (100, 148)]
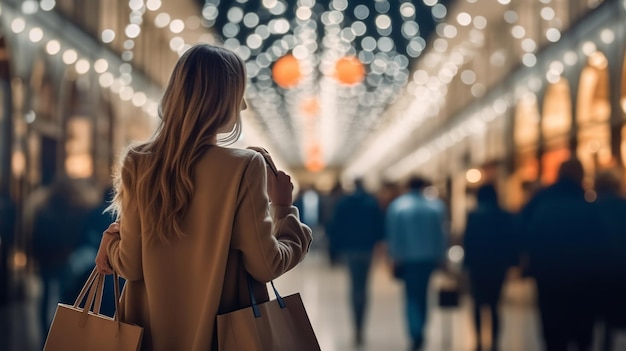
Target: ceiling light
[(53, 47), (303, 13), (589, 48), (468, 77), (177, 26), (153, 5), (464, 19), (553, 35), (82, 66), (18, 25), (607, 36), (35, 35), (101, 65), (439, 11), (162, 20), (47, 5), (511, 16), (107, 36), (547, 13), (235, 14), (570, 58), (106, 80), (407, 10), (70, 56), (529, 60), (518, 31), (30, 7), (383, 21), (480, 22), (529, 45), (132, 31)]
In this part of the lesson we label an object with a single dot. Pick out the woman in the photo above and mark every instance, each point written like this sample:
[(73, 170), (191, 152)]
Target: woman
[(194, 217), (489, 252)]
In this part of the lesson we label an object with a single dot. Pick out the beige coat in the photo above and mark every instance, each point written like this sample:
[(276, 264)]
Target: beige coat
[(176, 290)]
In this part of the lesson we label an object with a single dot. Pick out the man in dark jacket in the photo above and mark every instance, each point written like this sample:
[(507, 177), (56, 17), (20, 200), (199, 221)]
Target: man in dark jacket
[(564, 238), (357, 226), (489, 252), (612, 207)]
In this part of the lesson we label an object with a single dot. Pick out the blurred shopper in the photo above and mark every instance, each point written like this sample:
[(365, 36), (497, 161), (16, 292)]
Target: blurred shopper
[(327, 211), (7, 231), (489, 252), (612, 208), (416, 241), (58, 230), (197, 219), (82, 259), (565, 238), (356, 228)]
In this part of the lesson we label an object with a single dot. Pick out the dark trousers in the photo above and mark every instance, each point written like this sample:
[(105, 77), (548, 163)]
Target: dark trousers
[(486, 291), (566, 315), (358, 264), (416, 276)]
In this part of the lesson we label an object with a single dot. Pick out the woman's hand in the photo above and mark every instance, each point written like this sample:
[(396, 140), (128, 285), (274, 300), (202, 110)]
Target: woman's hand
[(279, 186), (280, 189), (102, 258)]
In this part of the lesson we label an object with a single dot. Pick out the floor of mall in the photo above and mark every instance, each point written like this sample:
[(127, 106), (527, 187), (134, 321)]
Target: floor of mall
[(324, 291)]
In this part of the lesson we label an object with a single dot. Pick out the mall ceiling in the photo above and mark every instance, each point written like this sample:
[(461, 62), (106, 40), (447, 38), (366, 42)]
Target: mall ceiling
[(322, 73)]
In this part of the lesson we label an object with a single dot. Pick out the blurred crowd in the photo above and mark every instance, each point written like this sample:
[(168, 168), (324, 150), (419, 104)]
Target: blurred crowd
[(568, 238)]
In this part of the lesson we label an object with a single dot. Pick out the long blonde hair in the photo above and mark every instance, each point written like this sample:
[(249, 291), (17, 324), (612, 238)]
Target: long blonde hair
[(204, 94)]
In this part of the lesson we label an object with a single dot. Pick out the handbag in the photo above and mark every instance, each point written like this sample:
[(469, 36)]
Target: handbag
[(75, 329), (277, 325)]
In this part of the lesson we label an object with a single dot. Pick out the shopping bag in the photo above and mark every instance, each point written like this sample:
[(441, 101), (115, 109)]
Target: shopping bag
[(78, 329), (277, 325)]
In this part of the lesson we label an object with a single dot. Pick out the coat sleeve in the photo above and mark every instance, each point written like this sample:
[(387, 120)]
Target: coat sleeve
[(271, 240), (124, 252)]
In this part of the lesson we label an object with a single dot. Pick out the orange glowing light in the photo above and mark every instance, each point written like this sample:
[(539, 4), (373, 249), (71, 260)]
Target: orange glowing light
[(349, 70), (286, 72)]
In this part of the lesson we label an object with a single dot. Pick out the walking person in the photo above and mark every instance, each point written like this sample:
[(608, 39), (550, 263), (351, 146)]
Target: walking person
[(416, 239), (612, 277), (356, 228), (58, 228), (196, 219), (565, 237), (489, 252)]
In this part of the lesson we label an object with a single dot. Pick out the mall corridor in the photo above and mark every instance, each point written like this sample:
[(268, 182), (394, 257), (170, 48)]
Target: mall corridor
[(324, 292)]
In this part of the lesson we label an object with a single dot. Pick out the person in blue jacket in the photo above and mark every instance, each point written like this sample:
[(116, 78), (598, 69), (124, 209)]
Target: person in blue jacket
[(417, 241), (356, 228)]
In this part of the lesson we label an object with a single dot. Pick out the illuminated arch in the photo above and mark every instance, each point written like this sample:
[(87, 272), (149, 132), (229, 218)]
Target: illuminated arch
[(556, 126), (623, 108), (526, 130), (593, 115)]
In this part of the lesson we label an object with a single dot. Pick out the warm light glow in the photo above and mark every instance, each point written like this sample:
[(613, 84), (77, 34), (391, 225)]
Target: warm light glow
[(349, 70), (70, 56), (82, 66), (19, 260), (35, 35), (473, 175), (101, 65), (18, 25), (286, 71), (53, 47), (106, 80)]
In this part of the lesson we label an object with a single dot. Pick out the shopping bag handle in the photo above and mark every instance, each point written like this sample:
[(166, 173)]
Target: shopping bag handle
[(253, 302), (93, 288)]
